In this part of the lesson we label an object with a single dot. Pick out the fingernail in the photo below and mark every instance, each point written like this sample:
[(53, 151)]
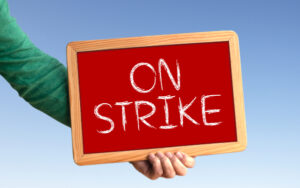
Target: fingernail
[(151, 156), (169, 155), (179, 155), (159, 154)]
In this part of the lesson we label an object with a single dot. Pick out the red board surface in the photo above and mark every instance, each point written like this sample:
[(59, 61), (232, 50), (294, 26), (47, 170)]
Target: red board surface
[(104, 77)]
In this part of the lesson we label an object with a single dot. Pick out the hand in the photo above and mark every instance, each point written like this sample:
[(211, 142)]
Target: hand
[(166, 165)]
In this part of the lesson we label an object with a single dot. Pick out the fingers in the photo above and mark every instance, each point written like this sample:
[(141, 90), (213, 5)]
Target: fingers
[(179, 168), (157, 170), (167, 167), (188, 161)]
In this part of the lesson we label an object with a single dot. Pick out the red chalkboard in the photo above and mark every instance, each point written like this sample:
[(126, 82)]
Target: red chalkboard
[(132, 96)]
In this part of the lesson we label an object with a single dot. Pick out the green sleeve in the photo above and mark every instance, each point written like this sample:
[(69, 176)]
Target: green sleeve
[(39, 78)]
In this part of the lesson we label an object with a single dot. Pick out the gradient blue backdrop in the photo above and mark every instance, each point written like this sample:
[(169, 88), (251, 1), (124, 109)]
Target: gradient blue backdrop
[(36, 151)]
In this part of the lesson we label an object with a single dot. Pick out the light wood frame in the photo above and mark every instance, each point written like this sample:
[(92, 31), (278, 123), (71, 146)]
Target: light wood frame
[(194, 150)]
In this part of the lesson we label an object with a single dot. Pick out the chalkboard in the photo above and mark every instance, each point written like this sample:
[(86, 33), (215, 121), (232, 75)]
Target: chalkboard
[(133, 96)]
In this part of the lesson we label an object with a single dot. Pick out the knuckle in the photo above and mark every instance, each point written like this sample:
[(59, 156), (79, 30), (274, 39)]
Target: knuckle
[(153, 177), (158, 173), (170, 175)]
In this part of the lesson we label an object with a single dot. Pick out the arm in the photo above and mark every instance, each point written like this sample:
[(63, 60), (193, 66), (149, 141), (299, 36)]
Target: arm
[(42, 81), (38, 78)]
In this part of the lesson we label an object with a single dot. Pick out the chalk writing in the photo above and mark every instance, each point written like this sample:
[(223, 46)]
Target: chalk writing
[(143, 119)]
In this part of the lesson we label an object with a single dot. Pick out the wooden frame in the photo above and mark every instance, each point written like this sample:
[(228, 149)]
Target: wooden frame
[(121, 156)]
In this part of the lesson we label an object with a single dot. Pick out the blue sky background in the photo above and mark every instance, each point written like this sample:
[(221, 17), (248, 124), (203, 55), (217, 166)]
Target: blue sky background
[(36, 151)]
